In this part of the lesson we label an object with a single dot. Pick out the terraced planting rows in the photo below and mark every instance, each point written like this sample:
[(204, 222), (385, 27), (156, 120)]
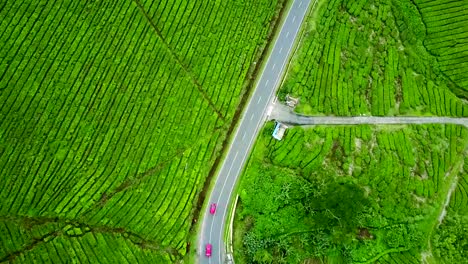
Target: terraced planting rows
[(367, 57), (349, 194), (448, 38), (459, 199), (82, 245), (112, 115), (227, 27)]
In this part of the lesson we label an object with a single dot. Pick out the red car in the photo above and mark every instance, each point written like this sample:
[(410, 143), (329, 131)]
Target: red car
[(213, 208), (208, 250)]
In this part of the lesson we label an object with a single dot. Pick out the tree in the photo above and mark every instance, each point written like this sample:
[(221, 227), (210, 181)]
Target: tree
[(341, 206), (451, 241)]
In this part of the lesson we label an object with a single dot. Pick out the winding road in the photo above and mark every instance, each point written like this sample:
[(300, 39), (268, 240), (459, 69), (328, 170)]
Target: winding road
[(213, 226)]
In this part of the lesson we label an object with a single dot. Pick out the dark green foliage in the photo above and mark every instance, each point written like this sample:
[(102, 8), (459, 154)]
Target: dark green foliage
[(403, 236), (409, 22), (408, 257), (353, 194), (338, 207), (451, 240)]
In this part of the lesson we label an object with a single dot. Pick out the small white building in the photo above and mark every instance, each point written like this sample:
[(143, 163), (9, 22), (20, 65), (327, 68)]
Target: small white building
[(280, 128)]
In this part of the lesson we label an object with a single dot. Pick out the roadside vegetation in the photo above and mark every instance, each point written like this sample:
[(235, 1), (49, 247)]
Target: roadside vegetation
[(112, 114), (382, 58), (355, 194)]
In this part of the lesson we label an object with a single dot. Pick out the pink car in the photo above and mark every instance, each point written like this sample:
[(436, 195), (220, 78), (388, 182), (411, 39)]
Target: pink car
[(208, 250), (213, 208)]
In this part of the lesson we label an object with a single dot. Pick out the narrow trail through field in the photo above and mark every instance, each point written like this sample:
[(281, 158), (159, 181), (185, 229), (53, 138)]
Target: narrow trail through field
[(283, 113)]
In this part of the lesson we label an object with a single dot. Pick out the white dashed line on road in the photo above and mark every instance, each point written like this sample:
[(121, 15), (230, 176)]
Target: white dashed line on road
[(243, 136), (274, 65), (259, 99), (220, 242), (287, 34), (300, 3), (266, 83), (251, 117), (294, 19), (281, 49)]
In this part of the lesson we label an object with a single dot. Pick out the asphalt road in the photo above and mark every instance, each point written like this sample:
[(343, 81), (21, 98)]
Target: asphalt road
[(381, 120), (282, 113), (213, 226)]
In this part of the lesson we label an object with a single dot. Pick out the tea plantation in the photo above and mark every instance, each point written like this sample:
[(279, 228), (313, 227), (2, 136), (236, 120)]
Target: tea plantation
[(382, 58), (112, 114), (355, 194)]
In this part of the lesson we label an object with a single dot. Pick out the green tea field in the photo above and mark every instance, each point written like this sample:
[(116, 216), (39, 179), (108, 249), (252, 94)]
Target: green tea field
[(112, 114), (447, 39), (355, 194), (382, 58)]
